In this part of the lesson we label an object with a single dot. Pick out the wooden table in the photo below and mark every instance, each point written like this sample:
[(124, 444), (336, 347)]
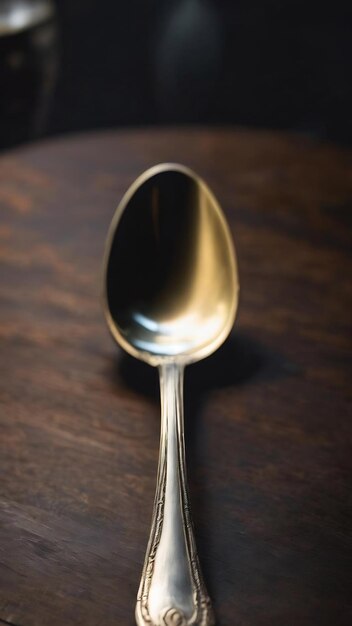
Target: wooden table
[(268, 423)]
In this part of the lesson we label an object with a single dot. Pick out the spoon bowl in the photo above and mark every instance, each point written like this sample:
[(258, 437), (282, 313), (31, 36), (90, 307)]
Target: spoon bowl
[(171, 279), (170, 298)]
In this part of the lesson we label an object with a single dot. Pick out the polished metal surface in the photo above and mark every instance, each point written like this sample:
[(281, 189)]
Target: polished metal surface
[(18, 15), (170, 298)]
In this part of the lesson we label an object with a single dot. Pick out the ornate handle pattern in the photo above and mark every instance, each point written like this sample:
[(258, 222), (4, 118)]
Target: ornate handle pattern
[(172, 591)]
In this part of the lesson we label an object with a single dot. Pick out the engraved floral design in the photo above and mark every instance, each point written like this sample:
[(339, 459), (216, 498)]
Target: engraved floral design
[(173, 617)]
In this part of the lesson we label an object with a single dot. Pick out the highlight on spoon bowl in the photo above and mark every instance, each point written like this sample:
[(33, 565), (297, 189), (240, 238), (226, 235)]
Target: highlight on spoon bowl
[(170, 298)]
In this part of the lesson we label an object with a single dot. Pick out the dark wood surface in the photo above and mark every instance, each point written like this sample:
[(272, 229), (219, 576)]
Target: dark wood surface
[(268, 416)]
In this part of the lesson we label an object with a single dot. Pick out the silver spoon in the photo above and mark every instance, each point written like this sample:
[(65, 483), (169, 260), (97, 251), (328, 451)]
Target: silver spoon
[(170, 299)]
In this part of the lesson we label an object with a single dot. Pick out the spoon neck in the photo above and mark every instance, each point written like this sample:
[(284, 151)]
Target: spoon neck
[(172, 466), (171, 393), (172, 439)]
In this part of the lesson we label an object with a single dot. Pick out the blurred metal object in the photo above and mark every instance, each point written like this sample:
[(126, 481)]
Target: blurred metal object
[(170, 299), (28, 67), (188, 55)]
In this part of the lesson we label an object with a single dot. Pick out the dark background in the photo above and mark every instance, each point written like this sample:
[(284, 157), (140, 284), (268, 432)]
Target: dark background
[(262, 63)]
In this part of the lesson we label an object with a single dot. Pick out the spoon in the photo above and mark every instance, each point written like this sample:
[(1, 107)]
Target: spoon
[(170, 299)]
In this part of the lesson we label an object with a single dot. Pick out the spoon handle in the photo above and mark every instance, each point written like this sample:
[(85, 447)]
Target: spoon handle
[(172, 591)]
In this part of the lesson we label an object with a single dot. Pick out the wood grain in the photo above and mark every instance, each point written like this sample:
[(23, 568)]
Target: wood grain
[(268, 416)]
